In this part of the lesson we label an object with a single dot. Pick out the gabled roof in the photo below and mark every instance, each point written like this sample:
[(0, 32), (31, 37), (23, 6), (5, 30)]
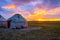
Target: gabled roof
[(17, 17), (2, 18)]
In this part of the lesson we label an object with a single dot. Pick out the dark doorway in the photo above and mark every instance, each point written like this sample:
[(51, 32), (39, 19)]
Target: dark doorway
[(9, 22)]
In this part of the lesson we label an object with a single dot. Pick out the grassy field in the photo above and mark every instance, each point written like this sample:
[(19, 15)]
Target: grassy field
[(49, 31), (44, 23)]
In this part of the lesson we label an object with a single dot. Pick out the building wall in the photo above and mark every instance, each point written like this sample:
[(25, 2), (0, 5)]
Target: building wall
[(17, 24), (3, 24)]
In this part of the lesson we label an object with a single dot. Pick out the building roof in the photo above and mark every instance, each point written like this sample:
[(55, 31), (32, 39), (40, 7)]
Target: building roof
[(17, 17), (2, 18)]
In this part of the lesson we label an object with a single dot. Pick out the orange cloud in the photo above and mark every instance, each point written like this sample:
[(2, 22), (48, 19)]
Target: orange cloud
[(40, 11), (11, 6), (54, 11), (38, 14)]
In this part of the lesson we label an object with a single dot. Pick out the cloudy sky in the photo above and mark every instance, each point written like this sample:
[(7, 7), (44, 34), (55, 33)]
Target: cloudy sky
[(31, 9)]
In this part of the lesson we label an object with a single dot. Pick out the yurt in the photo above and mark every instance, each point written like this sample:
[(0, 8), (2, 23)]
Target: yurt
[(17, 21), (3, 22)]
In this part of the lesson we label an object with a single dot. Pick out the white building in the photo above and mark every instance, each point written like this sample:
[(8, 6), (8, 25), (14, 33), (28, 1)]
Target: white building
[(17, 21)]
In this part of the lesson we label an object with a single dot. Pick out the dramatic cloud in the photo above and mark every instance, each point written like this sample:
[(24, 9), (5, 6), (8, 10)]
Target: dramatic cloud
[(31, 9), (23, 1), (11, 6), (42, 14), (53, 13)]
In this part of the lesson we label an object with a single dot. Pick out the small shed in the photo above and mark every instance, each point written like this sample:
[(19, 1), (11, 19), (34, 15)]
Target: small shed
[(17, 21), (3, 22)]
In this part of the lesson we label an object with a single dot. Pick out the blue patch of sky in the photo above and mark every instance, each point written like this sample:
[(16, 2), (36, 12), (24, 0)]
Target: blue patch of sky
[(26, 6), (8, 1)]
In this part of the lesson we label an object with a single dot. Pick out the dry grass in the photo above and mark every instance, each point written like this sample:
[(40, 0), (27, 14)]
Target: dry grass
[(43, 23)]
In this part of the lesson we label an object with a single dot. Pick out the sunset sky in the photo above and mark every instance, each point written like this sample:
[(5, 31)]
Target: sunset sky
[(31, 10)]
